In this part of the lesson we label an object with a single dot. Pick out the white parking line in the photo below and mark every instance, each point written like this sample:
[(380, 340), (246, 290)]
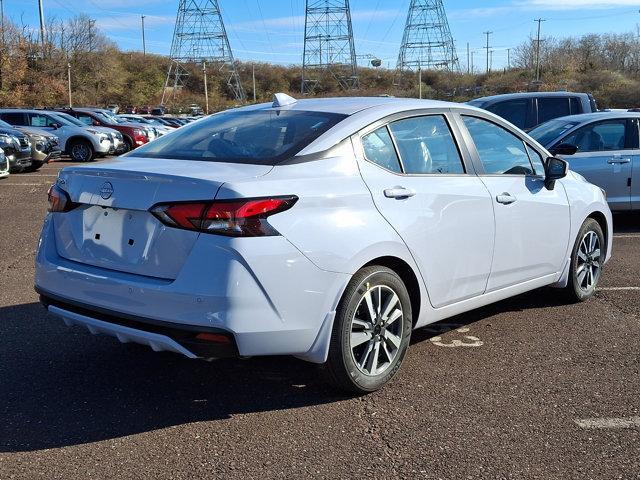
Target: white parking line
[(38, 175), (626, 236), (618, 289), (606, 423), (25, 184)]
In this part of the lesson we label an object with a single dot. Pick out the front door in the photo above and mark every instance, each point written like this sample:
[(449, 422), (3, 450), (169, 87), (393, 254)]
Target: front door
[(532, 223), (605, 157), (419, 183)]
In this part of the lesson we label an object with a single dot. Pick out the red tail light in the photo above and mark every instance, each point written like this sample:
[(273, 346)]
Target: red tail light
[(59, 200), (236, 218)]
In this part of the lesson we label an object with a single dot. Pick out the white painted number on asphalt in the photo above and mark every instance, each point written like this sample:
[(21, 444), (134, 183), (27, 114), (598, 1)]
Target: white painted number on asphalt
[(468, 340)]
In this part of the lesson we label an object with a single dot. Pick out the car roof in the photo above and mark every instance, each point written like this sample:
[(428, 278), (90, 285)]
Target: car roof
[(603, 115), (515, 96), (350, 105)]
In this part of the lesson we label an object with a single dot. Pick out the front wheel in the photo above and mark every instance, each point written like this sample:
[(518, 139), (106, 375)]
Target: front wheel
[(586, 261), (81, 151), (371, 331)]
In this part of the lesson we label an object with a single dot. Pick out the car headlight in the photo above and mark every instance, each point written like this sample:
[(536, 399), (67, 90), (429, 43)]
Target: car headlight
[(39, 138), (4, 138), (15, 140)]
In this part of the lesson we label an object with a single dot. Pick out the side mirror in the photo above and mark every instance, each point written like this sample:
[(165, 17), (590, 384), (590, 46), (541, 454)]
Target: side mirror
[(564, 149), (554, 169), (55, 126)]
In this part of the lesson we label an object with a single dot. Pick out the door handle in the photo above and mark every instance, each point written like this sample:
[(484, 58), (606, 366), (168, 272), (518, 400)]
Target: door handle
[(618, 160), (506, 198), (399, 193)]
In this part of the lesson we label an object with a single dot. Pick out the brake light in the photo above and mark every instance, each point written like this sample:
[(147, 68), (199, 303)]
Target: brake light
[(59, 200), (236, 218)]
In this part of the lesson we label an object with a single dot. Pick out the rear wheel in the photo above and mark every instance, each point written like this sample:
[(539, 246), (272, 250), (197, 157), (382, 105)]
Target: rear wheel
[(81, 151), (371, 331), (128, 145), (586, 261)]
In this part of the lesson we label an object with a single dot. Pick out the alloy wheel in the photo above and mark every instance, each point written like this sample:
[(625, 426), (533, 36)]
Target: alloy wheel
[(588, 264), (81, 152), (376, 330)]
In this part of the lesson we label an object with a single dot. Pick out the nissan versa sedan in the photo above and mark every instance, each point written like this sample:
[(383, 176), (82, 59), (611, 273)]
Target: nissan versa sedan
[(604, 147), (327, 229)]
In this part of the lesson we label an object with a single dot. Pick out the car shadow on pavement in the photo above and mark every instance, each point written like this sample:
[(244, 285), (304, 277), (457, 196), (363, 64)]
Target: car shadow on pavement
[(63, 386), (626, 223)]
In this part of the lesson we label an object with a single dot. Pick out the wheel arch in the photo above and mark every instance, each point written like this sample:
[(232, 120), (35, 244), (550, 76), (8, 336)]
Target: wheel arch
[(407, 275), (600, 217), (75, 138)]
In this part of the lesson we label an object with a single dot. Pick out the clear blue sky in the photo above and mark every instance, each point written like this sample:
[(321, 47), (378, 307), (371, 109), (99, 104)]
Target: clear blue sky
[(272, 30)]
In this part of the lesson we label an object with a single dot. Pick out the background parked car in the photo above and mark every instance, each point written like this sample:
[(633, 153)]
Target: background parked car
[(527, 110), (81, 144), (4, 165), (115, 136), (45, 147), (603, 147), (158, 127), (133, 135), (16, 147)]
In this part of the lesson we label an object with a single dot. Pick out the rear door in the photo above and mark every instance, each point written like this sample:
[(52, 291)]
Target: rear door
[(414, 169), (531, 223), (605, 156)]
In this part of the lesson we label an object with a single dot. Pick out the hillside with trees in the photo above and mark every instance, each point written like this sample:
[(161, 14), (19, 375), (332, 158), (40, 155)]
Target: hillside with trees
[(606, 65)]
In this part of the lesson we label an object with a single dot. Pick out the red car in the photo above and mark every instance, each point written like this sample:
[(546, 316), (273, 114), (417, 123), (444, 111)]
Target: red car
[(134, 135)]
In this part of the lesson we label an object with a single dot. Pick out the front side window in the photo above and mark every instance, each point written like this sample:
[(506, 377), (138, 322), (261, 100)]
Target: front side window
[(536, 160), (426, 145), (85, 119), (379, 149), (500, 151), (262, 137), (514, 111), (599, 136), (37, 120)]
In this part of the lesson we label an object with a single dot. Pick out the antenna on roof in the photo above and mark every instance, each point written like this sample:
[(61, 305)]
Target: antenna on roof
[(282, 100)]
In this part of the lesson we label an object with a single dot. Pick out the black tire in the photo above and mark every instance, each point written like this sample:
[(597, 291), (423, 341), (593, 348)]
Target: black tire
[(579, 288), (341, 368), (81, 151), (128, 145)]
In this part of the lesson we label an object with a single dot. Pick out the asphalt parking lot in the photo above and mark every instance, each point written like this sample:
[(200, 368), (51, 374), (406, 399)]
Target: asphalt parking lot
[(527, 388)]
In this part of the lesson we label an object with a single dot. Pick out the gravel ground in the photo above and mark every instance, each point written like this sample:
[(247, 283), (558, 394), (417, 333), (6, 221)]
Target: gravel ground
[(506, 403)]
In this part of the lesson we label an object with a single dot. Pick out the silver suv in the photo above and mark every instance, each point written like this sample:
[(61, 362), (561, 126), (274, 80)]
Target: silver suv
[(81, 144)]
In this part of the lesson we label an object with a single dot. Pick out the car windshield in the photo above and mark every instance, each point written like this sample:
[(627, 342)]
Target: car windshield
[(106, 117), (70, 119), (135, 119), (62, 120), (264, 137), (4, 124), (551, 130)]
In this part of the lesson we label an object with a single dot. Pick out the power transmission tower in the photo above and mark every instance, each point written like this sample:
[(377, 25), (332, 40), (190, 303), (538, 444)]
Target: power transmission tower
[(328, 44), (427, 42), (200, 37)]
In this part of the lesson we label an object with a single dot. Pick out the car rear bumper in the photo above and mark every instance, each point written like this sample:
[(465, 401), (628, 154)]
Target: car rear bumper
[(275, 303)]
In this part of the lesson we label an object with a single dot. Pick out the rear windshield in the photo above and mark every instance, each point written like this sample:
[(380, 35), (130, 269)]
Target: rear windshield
[(551, 130), (264, 137)]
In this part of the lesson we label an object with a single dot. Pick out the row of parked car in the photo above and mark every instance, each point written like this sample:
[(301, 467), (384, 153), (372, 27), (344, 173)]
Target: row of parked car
[(601, 145), (29, 138)]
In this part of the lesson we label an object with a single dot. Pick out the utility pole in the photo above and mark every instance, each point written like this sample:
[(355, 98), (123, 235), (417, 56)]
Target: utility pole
[(539, 20), (206, 90), (487, 48), (508, 59), (144, 45), (91, 24), (490, 59), (42, 39), (419, 81), (468, 59), (69, 82), (253, 77), (473, 70)]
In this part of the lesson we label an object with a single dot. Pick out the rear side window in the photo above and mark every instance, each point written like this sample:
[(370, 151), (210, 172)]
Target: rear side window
[(552, 107), (14, 118), (426, 145), (514, 111), (599, 136), (576, 105), (379, 149), (500, 151), (263, 137)]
